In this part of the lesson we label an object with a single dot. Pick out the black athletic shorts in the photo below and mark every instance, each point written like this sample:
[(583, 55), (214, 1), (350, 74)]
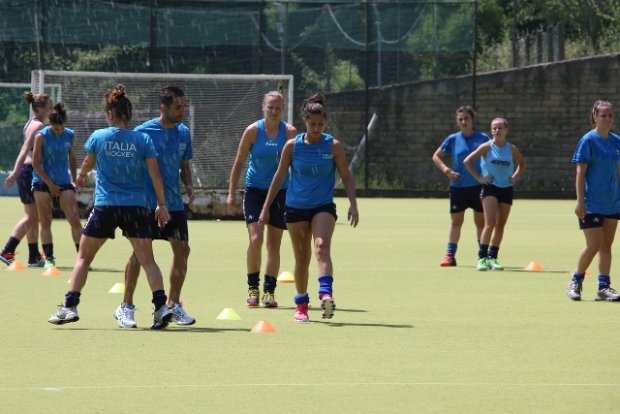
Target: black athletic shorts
[(24, 184), (295, 215), (103, 221), (594, 220), (44, 188), (175, 229), (253, 200), (462, 198), (503, 194)]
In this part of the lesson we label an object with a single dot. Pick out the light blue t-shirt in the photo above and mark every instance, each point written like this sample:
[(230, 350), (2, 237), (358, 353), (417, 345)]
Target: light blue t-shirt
[(55, 157), (265, 157), (460, 146), (313, 173), (602, 155), (121, 166), (499, 164), (173, 145)]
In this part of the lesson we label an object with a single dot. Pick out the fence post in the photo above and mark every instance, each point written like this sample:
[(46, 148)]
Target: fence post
[(539, 46), (560, 41), (550, 44)]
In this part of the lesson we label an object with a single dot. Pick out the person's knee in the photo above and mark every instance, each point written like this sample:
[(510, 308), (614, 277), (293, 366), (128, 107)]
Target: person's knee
[(256, 241), (321, 250)]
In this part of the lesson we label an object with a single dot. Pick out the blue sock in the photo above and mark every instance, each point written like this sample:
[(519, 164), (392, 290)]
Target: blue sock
[(270, 283), (493, 251), (452, 249), (72, 299), (159, 299), (578, 277), (603, 281), (325, 285), (483, 251), (301, 299), (254, 280)]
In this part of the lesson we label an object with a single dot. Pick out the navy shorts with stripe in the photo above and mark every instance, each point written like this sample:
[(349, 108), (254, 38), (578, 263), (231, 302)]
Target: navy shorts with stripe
[(253, 200), (45, 189), (24, 184), (295, 215), (503, 194), (103, 221), (462, 198)]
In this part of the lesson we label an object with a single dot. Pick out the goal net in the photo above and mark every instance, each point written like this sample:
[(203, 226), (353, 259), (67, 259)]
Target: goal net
[(219, 108)]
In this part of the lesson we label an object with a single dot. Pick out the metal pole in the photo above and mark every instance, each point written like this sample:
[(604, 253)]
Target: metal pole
[(366, 94), (151, 62), (474, 68), (515, 56), (38, 32)]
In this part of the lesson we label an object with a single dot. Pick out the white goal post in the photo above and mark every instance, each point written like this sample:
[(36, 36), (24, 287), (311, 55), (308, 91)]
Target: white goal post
[(219, 108)]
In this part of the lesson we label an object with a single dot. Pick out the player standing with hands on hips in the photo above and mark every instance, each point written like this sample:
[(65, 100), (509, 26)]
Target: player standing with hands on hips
[(498, 176), (310, 213)]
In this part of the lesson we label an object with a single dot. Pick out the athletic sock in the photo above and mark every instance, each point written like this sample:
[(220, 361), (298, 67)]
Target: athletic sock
[(33, 252), (48, 249), (452, 249), (72, 299), (578, 277), (11, 245), (493, 251), (483, 251), (325, 285), (159, 299), (302, 298), (254, 280), (270, 283), (603, 281)]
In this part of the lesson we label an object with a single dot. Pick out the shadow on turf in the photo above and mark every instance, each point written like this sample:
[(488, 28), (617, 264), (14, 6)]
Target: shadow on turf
[(96, 269), (312, 308), (378, 325), (520, 269), (193, 329)]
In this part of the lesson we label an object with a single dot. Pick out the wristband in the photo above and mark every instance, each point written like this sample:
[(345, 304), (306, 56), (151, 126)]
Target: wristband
[(447, 170)]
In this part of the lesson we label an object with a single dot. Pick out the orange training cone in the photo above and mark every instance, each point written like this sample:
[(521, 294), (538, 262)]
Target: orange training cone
[(16, 265), (263, 327), (534, 266), (286, 277), (52, 271)]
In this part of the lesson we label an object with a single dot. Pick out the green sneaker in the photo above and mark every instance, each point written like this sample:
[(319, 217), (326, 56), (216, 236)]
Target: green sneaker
[(493, 265), (482, 264), (49, 262)]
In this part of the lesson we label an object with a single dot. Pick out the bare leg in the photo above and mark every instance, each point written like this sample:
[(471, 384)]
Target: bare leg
[(456, 222), (89, 246), (44, 207), (594, 238), (323, 228), (178, 270), (69, 206), (489, 204), (132, 272), (301, 237), (143, 249), (503, 211), (604, 252), (253, 256), (274, 240)]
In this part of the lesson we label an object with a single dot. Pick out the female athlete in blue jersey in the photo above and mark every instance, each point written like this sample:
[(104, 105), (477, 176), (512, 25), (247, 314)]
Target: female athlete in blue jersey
[(263, 141), (41, 105), (497, 178), (313, 158), (122, 157), (54, 165), (464, 189), (597, 161)]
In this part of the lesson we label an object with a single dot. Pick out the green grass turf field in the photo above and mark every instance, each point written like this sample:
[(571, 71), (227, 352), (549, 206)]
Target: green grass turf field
[(407, 337)]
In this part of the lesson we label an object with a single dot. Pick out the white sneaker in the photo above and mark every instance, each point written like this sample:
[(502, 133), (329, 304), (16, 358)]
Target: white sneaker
[(180, 317), (607, 294), (125, 316), (161, 317), (64, 315)]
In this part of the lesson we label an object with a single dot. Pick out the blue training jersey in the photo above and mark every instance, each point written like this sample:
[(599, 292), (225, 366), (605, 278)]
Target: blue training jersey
[(499, 164), (460, 146), (55, 157), (121, 166), (313, 173), (602, 195), (265, 157), (173, 145)]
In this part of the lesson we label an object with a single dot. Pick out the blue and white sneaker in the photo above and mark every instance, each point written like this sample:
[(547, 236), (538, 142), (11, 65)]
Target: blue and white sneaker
[(124, 314), (64, 315), (180, 317)]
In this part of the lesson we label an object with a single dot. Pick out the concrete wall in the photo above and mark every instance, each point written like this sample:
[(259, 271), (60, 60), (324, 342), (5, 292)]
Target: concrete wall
[(547, 107)]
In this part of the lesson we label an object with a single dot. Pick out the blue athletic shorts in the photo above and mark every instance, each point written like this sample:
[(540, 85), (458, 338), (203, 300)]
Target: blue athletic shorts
[(295, 215), (503, 194), (103, 221), (24, 184), (44, 188), (176, 228), (462, 198), (594, 220), (253, 200)]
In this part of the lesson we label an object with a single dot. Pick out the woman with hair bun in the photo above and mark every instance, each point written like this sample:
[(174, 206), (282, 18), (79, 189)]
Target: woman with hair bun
[(310, 212), (122, 157), (54, 165), (28, 226)]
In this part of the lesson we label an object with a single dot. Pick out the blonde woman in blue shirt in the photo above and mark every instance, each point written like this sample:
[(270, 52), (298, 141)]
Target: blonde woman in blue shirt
[(498, 176)]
